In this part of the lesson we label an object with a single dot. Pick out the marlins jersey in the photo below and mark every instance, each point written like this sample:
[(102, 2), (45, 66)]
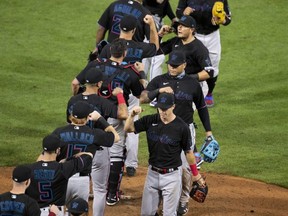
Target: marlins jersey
[(136, 51), (186, 90), (203, 14), (112, 16), (197, 55), (18, 205), (49, 179), (125, 77), (75, 139), (165, 141)]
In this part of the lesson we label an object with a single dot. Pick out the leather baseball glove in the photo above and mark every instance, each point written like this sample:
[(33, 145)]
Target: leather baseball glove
[(199, 191), (218, 13), (94, 55)]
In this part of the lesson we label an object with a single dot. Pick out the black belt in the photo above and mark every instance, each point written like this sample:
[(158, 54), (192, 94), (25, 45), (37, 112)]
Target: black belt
[(84, 174), (163, 170)]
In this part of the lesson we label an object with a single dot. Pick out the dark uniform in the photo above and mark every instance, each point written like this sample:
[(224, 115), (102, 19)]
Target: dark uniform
[(165, 144), (197, 55), (208, 34), (101, 161), (127, 78), (49, 180), (136, 51), (165, 141), (111, 17), (202, 14), (18, 205), (186, 90)]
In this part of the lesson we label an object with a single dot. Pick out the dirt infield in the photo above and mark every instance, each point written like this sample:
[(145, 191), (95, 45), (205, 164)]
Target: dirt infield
[(227, 196)]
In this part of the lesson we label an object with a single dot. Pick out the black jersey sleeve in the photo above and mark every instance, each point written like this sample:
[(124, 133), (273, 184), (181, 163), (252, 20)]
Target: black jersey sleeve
[(182, 4), (104, 20), (145, 122), (186, 141), (167, 46), (75, 164), (168, 10), (102, 138)]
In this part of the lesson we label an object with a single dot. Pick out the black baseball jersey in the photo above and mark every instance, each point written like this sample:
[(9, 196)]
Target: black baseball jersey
[(105, 107), (203, 14), (186, 90), (165, 141), (159, 10), (125, 76), (75, 139), (112, 16), (197, 55), (136, 51), (49, 179), (18, 205)]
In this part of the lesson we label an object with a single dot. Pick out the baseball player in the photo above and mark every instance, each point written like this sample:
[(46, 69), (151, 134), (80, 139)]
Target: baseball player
[(127, 78), (136, 51), (110, 19), (78, 137), (101, 161), (16, 202), (167, 136), (197, 57), (207, 32), (187, 91), (50, 178), (159, 9)]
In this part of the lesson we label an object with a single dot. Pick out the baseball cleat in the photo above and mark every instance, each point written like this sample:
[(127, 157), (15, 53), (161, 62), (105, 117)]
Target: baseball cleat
[(112, 199), (182, 209), (131, 171)]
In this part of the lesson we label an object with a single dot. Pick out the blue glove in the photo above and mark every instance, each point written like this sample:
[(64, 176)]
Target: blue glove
[(210, 149)]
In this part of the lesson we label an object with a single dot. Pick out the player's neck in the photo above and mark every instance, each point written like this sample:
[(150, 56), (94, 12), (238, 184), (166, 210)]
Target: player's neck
[(91, 90), (126, 36), (118, 60), (188, 39), (18, 190), (168, 119)]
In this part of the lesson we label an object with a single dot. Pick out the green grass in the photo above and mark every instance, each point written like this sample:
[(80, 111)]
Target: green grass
[(44, 44)]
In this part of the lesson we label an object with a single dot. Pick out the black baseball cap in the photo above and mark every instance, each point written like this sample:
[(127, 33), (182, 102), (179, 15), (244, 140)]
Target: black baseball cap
[(165, 101), (94, 75), (78, 206), (176, 58), (81, 109), (51, 142), (187, 21), (128, 23), (21, 173)]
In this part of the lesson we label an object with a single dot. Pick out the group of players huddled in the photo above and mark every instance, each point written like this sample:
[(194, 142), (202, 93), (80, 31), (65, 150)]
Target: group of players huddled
[(101, 137)]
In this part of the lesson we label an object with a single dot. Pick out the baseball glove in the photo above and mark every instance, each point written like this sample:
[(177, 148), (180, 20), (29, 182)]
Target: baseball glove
[(218, 12), (198, 192), (94, 55), (210, 149)]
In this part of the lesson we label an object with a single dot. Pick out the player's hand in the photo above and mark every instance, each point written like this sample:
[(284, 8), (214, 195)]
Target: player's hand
[(148, 19), (188, 11), (159, 1), (139, 66), (167, 89), (117, 91), (94, 116), (54, 209), (199, 179), (216, 21), (165, 29), (136, 111)]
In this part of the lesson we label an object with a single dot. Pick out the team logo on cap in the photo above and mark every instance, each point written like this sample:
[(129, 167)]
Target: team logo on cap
[(163, 100), (75, 205), (183, 18)]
